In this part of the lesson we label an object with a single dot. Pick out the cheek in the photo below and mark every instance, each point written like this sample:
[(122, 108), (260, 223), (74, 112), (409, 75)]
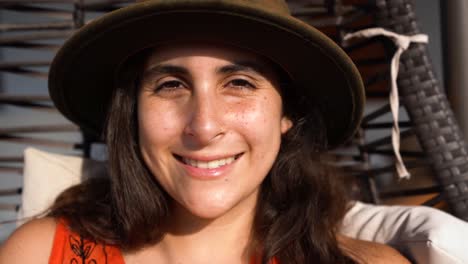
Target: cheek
[(157, 123), (259, 120), (267, 112), (158, 126)]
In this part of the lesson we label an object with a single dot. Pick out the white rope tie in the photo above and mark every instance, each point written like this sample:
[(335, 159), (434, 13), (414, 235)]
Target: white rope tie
[(402, 42)]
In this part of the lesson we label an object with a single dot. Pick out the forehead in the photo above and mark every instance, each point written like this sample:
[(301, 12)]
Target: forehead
[(222, 54)]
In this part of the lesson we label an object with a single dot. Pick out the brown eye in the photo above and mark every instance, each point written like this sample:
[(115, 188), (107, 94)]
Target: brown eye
[(169, 86), (240, 84)]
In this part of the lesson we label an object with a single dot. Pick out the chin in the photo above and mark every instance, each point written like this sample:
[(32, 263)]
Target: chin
[(210, 213), (226, 208)]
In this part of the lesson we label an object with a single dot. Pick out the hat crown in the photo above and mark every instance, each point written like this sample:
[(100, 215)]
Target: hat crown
[(277, 6)]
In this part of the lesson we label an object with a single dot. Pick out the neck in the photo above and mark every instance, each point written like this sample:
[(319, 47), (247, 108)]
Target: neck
[(225, 239)]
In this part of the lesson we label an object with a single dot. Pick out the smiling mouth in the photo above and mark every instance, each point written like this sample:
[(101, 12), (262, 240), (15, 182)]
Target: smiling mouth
[(212, 164)]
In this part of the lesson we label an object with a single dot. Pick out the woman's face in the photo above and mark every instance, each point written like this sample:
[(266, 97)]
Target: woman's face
[(209, 124)]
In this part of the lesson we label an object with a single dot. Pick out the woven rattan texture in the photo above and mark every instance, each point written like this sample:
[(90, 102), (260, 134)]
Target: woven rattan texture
[(428, 107)]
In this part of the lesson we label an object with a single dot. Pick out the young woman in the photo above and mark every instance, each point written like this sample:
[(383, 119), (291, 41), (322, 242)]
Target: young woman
[(215, 114)]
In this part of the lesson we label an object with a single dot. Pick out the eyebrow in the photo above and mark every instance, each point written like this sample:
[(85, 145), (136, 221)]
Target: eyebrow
[(164, 69), (246, 66)]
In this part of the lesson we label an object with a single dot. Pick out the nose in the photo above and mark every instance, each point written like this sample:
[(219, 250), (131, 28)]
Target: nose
[(204, 124)]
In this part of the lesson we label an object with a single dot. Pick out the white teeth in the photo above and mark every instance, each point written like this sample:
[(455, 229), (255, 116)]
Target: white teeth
[(222, 162), (202, 165), (213, 164), (208, 164), (191, 162)]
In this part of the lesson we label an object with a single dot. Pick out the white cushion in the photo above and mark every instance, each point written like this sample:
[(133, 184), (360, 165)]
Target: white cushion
[(424, 234), (46, 175)]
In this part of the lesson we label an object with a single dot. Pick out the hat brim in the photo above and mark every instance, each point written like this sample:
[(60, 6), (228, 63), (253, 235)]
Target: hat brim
[(81, 77)]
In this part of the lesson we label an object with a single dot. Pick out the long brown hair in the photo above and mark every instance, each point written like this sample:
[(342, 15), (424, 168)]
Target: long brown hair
[(300, 206)]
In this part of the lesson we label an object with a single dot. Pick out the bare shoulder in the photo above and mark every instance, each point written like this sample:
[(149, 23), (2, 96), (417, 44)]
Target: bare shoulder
[(370, 252), (30, 243)]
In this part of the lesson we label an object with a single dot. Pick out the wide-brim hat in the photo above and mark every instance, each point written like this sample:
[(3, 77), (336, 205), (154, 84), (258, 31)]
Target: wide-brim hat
[(82, 75)]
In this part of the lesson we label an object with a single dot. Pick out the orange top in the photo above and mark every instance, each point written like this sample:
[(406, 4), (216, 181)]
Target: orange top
[(71, 248)]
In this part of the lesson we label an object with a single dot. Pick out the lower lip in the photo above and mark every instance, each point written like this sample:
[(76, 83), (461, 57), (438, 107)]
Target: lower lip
[(208, 174)]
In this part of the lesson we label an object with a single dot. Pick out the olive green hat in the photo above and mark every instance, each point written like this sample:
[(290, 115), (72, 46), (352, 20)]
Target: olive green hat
[(81, 77)]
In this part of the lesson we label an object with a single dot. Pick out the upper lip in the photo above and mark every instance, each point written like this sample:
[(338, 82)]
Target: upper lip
[(207, 158)]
